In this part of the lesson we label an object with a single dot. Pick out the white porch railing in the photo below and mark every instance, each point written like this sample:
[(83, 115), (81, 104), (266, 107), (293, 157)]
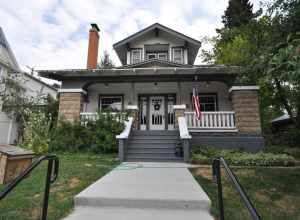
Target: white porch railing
[(211, 121), (93, 116)]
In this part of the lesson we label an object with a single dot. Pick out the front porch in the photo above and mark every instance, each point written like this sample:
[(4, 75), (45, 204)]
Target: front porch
[(222, 121), (160, 99)]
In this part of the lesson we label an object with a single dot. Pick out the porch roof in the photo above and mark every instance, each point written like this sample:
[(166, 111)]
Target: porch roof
[(119, 74)]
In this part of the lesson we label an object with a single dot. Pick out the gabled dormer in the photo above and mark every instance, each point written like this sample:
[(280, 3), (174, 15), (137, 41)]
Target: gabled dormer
[(157, 42)]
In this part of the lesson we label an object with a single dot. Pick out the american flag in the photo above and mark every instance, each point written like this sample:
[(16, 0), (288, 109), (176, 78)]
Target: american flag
[(196, 103)]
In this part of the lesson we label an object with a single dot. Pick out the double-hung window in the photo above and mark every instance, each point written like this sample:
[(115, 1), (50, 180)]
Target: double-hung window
[(136, 56), (208, 102), (151, 56), (111, 103), (178, 55), (163, 56)]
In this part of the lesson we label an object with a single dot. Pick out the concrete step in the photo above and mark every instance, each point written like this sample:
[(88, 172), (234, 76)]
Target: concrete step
[(112, 213), (152, 158), (134, 191)]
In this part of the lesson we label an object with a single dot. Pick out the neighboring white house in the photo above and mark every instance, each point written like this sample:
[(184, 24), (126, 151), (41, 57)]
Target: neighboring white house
[(34, 87)]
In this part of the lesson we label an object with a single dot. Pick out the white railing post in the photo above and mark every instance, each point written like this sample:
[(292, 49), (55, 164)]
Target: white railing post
[(219, 121)]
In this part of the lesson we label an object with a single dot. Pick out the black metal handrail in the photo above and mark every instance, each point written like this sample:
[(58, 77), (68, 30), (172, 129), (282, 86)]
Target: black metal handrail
[(216, 166), (52, 173)]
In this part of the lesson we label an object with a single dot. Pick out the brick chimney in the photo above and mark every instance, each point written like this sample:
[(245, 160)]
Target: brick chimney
[(92, 57)]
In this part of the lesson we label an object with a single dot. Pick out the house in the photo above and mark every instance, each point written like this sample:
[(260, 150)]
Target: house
[(33, 85), (155, 84)]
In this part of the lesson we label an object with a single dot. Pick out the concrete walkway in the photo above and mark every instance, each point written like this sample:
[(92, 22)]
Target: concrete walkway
[(143, 191)]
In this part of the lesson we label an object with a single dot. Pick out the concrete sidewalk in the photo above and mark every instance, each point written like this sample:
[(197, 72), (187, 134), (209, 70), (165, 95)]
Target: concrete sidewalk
[(144, 191)]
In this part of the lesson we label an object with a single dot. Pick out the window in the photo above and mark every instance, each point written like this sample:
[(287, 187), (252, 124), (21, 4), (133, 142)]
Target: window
[(177, 55), (208, 102), (111, 103), (151, 55), (163, 56), (136, 56)]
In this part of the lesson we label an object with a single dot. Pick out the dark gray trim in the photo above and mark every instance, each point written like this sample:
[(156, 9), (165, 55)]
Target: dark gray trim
[(108, 95), (156, 61), (225, 141)]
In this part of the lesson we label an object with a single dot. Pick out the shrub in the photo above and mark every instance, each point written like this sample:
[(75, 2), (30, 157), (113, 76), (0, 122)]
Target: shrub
[(240, 158), (37, 128), (95, 136)]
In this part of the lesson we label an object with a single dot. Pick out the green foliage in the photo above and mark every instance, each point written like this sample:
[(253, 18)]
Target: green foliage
[(237, 52), (241, 158), (90, 136), (36, 132), (267, 49), (238, 13)]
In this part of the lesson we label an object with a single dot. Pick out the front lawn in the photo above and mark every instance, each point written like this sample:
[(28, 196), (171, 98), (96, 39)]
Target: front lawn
[(77, 171), (275, 192)]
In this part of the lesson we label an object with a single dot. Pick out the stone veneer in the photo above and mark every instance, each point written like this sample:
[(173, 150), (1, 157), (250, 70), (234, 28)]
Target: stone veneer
[(246, 107), (70, 106)]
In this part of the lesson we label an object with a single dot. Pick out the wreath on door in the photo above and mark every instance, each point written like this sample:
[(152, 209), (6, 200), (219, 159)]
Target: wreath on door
[(156, 106)]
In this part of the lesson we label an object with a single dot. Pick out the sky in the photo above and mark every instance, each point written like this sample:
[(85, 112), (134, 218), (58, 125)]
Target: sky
[(53, 34)]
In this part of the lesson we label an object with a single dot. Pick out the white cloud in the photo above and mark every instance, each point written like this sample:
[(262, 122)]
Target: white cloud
[(52, 34)]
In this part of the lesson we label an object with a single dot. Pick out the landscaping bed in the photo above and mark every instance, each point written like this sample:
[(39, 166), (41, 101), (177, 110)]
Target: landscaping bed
[(206, 155), (275, 192), (77, 171)]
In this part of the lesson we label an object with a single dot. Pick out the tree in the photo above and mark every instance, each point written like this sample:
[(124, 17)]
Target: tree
[(106, 62), (280, 68), (238, 13), (266, 47)]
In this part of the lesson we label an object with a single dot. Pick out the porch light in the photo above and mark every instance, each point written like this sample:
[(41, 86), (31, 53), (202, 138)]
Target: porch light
[(155, 83), (106, 85), (207, 83)]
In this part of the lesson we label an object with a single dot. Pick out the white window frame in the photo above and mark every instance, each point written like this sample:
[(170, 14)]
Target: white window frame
[(155, 54), (181, 55), (112, 97), (201, 95), (140, 58), (165, 54)]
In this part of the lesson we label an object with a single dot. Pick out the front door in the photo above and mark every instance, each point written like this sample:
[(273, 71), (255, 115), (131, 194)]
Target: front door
[(157, 112)]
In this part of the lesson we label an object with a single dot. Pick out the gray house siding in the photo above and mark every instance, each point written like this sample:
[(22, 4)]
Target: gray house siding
[(183, 91)]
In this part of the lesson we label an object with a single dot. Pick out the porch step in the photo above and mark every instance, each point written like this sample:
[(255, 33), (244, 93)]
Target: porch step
[(152, 146), (149, 147), (154, 137), (153, 159), (153, 142), (155, 132)]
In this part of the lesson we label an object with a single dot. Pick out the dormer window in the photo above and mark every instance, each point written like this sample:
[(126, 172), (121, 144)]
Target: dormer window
[(163, 56), (151, 56), (177, 55), (136, 56)]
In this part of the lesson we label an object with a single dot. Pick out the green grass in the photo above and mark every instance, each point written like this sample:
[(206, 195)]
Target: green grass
[(77, 171), (275, 192)]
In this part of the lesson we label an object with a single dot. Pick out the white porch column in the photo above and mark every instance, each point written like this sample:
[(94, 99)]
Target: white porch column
[(133, 111), (179, 112)]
